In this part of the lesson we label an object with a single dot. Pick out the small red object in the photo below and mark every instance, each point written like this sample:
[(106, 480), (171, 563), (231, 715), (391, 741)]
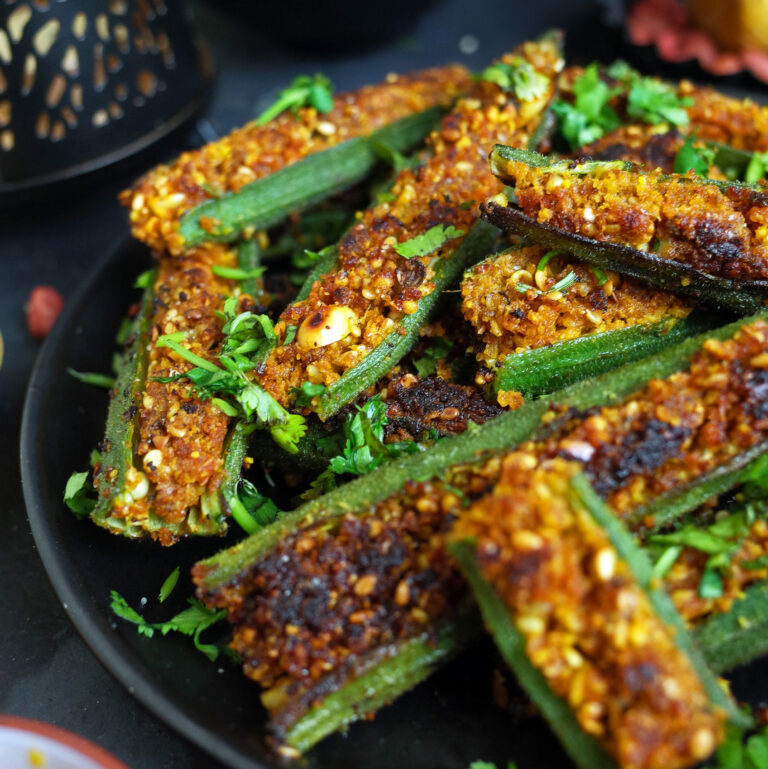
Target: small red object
[(42, 308)]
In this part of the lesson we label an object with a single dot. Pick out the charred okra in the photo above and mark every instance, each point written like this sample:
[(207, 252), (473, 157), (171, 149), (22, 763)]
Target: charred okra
[(690, 235)]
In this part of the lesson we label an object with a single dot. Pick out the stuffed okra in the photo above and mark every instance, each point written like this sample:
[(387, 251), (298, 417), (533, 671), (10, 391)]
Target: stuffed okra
[(568, 599), (363, 315), (167, 451), (693, 236), (544, 320), (662, 460), (259, 174)]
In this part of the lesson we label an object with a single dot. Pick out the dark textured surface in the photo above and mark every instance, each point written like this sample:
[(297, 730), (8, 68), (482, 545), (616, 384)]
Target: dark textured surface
[(47, 672)]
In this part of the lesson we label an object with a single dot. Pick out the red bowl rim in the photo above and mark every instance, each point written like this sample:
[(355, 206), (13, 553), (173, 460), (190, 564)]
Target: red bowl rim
[(65, 737)]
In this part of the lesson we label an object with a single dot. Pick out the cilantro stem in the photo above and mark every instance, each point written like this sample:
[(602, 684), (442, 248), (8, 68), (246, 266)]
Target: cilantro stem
[(188, 355)]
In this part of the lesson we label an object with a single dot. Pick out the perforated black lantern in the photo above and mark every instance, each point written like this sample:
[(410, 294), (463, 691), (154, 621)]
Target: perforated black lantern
[(85, 83)]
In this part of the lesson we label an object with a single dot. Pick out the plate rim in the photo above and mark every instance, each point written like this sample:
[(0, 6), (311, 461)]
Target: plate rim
[(115, 656)]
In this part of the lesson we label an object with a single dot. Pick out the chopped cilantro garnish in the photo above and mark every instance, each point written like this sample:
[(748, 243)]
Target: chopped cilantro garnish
[(711, 584), (742, 750), (144, 280), (654, 102), (519, 77), (191, 622), (306, 393), (248, 338), (562, 285), (168, 585), (544, 261), (600, 276), (589, 117), (427, 364), (252, 510), (97, 380), (359, 446), (756, 168), (489, 765), (304, 91), (76, 495), (237, 273), (428, 242), (696, 159)]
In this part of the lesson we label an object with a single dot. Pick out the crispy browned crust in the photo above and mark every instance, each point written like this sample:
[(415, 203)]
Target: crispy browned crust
[(160, 198), (684, 219), (509, 321), (589, 628), (370, 278), (335, 591), (676, 429), (417, 407)]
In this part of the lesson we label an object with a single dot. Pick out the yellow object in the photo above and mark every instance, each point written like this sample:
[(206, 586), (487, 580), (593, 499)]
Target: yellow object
[(734, 24), (36, 758)]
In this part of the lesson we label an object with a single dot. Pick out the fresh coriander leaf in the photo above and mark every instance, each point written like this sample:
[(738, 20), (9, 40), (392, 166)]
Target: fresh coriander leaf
[(590, 116), (699, 539), (168, 585), (145, 279), (696, 159), (120, 606), (171, 341), (288, 433), (191, 622), (757, 750), (428, 242), (482, 765), (76, 495), (711, 584), (654, 102), (97, 380), (250, 509), (124, 331), (666, 560), (427, 365), (518, 77), (226, 407), (237, 273), (315, 91), (756, 168), (621, 71), (544, 261), (600, 276), (306, 393), (290, 334)]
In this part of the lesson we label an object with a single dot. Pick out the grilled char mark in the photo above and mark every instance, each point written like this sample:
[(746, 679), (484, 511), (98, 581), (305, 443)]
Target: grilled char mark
[(160, 198), (674, 430), (638, 452), (587, 626), (380, 285), (417, 406), (682, 218)]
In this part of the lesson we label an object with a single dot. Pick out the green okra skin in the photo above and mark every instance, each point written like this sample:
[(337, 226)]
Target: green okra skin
[(378, 681), (121, 438), (738, 636), (502, 433), (738, 295), (249, 258), (642, 570), (583, 749), (268, 201), (475, 246), (547, 369)]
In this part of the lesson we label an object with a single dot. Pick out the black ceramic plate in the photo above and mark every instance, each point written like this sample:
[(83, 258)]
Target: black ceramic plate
[(445, 723)]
